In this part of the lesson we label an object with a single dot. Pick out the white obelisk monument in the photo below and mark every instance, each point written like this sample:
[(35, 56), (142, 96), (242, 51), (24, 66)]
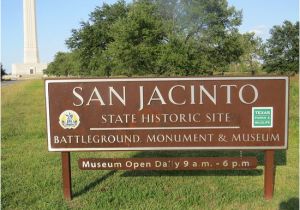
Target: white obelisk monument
[(31, 65)]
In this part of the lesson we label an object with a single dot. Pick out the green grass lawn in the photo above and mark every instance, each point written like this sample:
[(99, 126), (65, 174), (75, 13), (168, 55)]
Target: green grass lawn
[(31, 176)]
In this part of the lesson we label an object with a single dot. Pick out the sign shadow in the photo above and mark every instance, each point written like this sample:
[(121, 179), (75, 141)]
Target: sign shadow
[(280, 155), (256, 172), (280, 159), (93, 184), (292, 203)]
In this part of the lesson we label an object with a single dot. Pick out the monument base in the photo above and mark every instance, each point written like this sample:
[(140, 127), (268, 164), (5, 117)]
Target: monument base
[(28, 69)]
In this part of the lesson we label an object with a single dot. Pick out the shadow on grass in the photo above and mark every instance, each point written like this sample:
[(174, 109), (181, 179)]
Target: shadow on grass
[(280, 155), (257, 172), (280, 159), (94, 184), (291, 204)]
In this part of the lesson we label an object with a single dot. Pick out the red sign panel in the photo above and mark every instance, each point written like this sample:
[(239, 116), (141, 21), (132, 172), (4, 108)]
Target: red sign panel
[(167, 113)]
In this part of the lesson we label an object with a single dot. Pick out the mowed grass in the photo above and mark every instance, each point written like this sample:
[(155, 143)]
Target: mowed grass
[(31, 176)]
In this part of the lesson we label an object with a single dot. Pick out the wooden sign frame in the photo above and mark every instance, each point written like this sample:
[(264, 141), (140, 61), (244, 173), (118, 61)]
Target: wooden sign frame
[(66, 94), (269, 166)]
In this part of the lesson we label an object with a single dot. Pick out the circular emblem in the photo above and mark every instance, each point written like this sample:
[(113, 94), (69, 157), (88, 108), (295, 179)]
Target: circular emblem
[(69, 119)]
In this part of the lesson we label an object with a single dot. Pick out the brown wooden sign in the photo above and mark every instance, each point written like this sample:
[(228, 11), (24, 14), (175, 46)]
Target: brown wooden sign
[(167, 113), (202, 163)]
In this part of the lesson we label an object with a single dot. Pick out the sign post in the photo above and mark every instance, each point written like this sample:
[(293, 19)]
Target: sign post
[(211, 113), (269, 179), (66, 175)]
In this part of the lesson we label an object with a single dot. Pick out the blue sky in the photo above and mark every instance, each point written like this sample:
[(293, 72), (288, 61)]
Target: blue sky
[(56, 18)]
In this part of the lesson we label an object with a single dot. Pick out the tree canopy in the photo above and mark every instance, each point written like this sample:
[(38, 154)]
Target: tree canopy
[(162, 37), (65, 64), (282, 49), (153, 37), (91, 40)]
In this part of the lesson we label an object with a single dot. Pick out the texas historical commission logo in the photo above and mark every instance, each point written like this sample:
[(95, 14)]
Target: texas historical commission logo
[(69, 119)]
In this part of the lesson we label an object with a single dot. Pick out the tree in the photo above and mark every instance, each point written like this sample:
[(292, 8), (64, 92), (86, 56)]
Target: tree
[(3, 72), (64, 64), (250, 60), (138, 41), (282, 49), (156, 37), (92, 38), (206, 32)]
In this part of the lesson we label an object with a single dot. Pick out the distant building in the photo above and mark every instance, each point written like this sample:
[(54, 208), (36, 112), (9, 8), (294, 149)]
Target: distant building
[(31, 65)]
